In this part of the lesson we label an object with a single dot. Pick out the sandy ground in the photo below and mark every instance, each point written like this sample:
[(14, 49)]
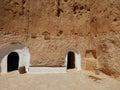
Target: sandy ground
[(72, 80)]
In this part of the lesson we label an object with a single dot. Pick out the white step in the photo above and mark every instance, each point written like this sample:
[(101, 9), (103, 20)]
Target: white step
[(47, 70)]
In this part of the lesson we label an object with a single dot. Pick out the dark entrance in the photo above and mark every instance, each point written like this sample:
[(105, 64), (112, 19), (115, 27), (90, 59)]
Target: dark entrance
[(12, 61), (71, 60)]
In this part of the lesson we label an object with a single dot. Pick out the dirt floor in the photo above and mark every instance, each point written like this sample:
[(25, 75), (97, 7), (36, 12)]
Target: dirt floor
[(72, 80)]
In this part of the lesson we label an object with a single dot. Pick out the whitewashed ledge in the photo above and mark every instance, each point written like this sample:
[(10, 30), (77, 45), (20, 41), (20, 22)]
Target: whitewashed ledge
[(47, 69)]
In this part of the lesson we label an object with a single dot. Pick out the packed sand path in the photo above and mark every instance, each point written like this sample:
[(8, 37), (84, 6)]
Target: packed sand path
[(72, 80)]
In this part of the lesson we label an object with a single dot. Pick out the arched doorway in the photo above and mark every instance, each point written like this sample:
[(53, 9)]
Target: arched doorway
[(14, 56), (12, 61), (71, 60)]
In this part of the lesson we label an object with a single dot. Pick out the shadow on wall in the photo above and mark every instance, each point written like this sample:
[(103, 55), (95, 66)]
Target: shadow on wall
[(11, 53), (90, 54)]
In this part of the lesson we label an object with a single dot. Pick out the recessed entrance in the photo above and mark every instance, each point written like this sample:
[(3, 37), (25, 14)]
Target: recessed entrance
[(12, 61), (71, 60), (14, 56)]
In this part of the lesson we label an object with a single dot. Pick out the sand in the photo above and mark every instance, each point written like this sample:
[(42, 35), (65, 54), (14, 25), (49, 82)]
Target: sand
[(72, 80)]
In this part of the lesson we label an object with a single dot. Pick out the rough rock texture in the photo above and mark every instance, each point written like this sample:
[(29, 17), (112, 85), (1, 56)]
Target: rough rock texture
[(51, 27), (13, 21)]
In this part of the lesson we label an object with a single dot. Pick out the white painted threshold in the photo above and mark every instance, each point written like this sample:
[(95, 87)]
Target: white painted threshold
[(47, 69)]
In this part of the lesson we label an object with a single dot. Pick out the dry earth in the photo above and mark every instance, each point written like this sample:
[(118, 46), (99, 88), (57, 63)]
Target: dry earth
[(72, 80)]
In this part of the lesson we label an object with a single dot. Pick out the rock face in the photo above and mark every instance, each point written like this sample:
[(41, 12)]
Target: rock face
[(13, 21), (52, 27)]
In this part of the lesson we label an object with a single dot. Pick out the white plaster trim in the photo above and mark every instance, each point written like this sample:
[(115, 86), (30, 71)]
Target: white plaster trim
[(24, 58), (77, 59), (47, 70)]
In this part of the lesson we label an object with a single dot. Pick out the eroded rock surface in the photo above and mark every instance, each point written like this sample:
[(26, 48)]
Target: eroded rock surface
[(50, 27)]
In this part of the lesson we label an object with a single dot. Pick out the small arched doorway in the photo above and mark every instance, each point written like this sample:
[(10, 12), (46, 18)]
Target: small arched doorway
[(12, 61), (71, 60)]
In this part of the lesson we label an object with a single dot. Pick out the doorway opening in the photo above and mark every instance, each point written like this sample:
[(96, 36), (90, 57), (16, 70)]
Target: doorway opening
[(12, 61), (71, 60)]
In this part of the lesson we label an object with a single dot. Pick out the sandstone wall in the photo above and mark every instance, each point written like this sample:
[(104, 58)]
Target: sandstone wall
[(51, 27), (13, 21)]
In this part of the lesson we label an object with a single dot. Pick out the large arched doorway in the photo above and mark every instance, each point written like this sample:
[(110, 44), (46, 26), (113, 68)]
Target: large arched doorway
[(71, 60), (12, 61), (14, 56)]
